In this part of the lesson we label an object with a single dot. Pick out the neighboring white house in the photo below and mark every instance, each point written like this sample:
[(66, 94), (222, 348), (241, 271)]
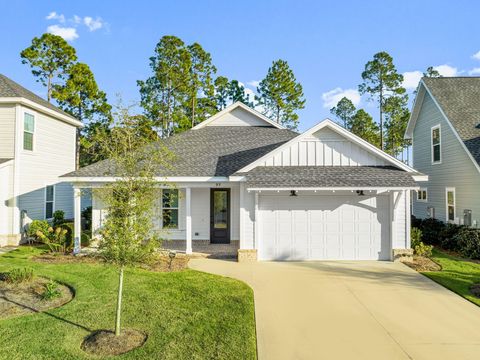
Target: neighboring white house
[(278, 195), (445, 130), (37, 145)]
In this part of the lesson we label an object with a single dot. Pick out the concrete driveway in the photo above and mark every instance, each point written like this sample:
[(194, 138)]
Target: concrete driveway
[(353, 310)]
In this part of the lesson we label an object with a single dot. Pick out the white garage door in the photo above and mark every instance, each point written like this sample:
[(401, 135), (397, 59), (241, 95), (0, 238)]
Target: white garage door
[(321, 227)]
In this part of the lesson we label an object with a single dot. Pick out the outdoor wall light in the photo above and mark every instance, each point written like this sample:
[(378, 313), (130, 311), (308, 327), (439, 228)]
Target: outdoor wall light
[(360, 193), (293, 193)]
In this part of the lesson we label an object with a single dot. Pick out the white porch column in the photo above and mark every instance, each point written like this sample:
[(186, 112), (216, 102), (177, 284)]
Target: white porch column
[(188, 220), (77, 214), (256, 229)]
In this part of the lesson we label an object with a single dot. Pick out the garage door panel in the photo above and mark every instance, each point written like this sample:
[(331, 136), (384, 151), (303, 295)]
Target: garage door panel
[(324, 227)]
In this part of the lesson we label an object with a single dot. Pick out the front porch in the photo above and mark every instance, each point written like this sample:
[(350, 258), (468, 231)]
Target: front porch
[(205, 249)]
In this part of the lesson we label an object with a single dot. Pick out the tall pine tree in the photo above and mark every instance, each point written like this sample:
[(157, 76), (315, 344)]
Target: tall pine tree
[(344, 111)]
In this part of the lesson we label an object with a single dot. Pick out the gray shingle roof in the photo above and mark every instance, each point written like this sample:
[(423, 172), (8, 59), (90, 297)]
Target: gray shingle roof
[(4, 160), (209, 151), (459, 98), (327, 176), (9, 88)]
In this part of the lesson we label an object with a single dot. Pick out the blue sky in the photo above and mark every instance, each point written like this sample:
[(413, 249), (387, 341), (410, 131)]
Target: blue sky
[(326, 43)]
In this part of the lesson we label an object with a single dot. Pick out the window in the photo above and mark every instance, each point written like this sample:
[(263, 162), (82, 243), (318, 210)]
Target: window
[(28, 130), (49, 200), (170, 208), (450, 194), (436, 145), (422, 195)]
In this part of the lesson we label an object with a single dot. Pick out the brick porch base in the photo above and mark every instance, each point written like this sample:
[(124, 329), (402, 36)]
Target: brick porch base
[(203, 248)]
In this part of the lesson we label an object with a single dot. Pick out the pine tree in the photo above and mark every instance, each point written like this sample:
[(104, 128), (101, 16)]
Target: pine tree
[(344, 111), (363, 125), (280, 95)]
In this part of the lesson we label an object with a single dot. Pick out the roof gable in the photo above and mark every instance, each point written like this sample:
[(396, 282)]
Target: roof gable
[(327, 144), (458, 101), (238, 114)]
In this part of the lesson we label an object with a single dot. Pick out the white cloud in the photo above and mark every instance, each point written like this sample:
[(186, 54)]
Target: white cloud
[(93, 24), (68, 33), (476, 56), (254, 83), (474, 71), (411, 79), (54, 16), (77, 19), (447, 70), (332, 97)]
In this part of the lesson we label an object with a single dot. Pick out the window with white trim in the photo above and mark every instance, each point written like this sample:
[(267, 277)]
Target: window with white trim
[(49, 201), (170, 208), (450, 203), (28, 131), (436, 145), (422, 195)]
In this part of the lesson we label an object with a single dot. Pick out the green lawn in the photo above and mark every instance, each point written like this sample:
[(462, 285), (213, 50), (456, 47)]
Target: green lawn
[(456, 274), (187, 314)]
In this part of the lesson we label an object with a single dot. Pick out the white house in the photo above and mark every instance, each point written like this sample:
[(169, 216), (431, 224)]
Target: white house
[(445, 132), (37, 145), (278, 195)]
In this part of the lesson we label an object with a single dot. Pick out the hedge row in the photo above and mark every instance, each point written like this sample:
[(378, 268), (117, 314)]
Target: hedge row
[(459, 238)]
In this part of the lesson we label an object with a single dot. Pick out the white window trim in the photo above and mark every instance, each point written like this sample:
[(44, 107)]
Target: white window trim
[(447, 190), (426, 195), (45, 201), (170, 208), (440, 144), (34, 114)]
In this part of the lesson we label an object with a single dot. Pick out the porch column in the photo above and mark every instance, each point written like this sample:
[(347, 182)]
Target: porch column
[(255, 224), (77, 214), (188, 220)]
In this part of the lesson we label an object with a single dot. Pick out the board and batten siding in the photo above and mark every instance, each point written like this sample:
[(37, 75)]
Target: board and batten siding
[(324, 148), (7, 131), (455, 170), (53, 155)]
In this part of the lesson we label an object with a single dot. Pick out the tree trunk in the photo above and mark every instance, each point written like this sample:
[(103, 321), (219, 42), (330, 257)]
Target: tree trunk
[(49, 88), (119, 302)]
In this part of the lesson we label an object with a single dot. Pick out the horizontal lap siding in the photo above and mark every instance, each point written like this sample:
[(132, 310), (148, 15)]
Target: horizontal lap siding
[(456, 170), (7, 131), (53, 156)]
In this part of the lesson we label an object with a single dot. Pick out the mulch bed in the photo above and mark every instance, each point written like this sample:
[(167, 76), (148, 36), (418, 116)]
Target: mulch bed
[(160, 263), (105, 343), (421, 263), (25, 298)]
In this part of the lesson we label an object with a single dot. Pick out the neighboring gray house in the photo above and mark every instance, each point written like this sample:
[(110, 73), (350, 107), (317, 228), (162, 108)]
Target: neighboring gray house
[(244, 180), (445, 131), (37, 145)]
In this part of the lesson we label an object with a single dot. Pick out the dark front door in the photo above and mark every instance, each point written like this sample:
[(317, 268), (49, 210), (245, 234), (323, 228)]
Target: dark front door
[(220, 216)]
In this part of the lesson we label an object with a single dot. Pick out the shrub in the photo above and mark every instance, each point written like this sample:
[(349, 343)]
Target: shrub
[(58, 217), (468, 242), (431, 230), (86, 239), (54, 238), (416, 222), (447, 236), (37, 225), (69, 226), (419, 248), (87, 215), (19, 275), (50, 291)]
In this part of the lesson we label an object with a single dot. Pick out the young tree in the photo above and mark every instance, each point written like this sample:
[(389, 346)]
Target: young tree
[(363, 125), (280, 95), (50, 57), (200, 87), (380, 81), (163, 94), (344, 111), (81, 98), (126, 235)]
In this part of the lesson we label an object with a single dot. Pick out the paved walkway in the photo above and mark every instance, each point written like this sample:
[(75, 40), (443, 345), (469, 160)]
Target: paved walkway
[(353, 310)]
